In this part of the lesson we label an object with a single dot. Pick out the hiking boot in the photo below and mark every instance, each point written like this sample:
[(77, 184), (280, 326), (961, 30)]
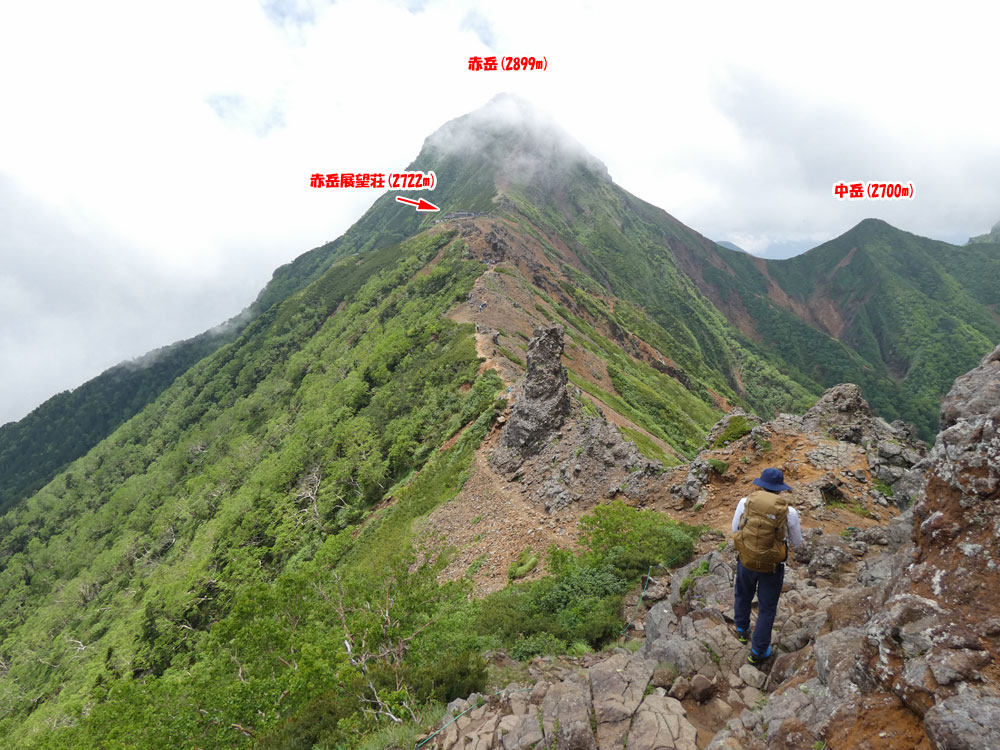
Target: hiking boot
[(743, 636), (757, 659)]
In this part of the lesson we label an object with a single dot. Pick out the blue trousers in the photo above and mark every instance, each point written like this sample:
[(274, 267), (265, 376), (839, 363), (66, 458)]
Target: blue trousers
[(767, 586)]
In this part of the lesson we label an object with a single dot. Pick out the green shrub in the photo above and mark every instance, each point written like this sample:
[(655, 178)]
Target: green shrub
[(646, 446), (719, 467), (537, 644), (860, 510), (883, 487), (558, 593), (588, 408), (632, 540), (475, 565), (689, 579), (578, 602), (738, 427), (321, 720), (524, 564), (511, 356), (448, 676)]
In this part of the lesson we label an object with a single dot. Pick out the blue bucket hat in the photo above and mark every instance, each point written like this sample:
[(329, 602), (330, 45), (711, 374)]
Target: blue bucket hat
[(773, 480)]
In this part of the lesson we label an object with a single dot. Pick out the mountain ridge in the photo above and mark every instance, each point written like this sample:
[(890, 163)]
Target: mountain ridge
[(502, 123), (837, 312), (252, 557)]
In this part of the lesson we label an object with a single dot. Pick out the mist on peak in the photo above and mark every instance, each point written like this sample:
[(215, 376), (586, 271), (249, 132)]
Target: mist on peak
[(518, 140)]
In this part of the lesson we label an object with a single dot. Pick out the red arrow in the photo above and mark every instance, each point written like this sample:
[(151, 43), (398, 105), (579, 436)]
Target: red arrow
[(421, 206)]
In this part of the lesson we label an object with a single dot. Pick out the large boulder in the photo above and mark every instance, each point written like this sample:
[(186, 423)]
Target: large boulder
[(618, 685), (695, 480), (661, 723), (566, 716)]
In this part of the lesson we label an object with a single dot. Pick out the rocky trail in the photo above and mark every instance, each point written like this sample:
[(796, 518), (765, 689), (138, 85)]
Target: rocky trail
[(690, 678), (887, 629)]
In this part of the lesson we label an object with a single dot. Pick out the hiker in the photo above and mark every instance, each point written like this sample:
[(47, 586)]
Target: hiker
[(764, 524)]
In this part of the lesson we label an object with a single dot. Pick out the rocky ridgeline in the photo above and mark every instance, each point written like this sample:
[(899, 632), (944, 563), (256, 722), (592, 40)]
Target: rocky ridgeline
[(690, 676), (885, 638), (557, 452), (842, 424), (893, 449)]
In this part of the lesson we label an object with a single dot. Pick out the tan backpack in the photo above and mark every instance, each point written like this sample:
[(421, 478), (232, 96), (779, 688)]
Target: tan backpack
[(760, 541)]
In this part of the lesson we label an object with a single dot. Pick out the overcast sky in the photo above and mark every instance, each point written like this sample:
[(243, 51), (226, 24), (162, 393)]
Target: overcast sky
[(155, 157)]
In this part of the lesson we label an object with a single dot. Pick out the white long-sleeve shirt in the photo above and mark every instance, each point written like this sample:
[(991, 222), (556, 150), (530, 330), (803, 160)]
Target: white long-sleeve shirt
[(794, 535)]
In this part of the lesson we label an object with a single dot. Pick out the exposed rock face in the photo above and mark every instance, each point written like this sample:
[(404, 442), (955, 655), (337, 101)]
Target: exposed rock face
[(893, 449), (823, 555), (498, 240), (817, 679), (964, 723), (562, 455), (661, 722), (697, 475), (545, 400), (542, 402), (934, 638), (564, 712), (843, 414), (692, 490)]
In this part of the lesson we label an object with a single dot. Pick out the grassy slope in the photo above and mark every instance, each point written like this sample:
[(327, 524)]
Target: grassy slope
[(628, 246)]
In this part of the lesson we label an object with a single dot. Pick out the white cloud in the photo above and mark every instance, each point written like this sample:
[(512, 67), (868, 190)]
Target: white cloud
[(168, 147)]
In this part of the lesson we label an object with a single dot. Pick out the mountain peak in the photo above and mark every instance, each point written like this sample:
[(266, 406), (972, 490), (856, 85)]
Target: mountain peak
[(869, 228), (517, 139), (871, 223)]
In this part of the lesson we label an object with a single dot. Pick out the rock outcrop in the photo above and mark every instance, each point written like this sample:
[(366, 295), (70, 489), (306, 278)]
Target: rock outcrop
[(735, 426), (561, 455), (893, 449), (544, 399), (719, 429), (690, 658), (842, 414)]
